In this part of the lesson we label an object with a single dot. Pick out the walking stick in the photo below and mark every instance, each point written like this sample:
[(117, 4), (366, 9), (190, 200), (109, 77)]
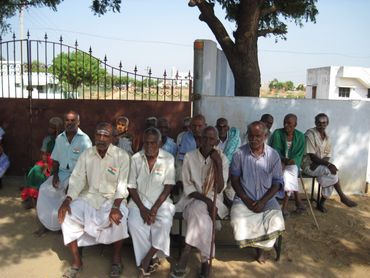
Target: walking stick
[(213, 225), (309, 204)]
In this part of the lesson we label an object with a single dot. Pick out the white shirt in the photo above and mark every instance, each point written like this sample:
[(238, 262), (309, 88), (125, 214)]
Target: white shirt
[(150, 184), (97, 179)]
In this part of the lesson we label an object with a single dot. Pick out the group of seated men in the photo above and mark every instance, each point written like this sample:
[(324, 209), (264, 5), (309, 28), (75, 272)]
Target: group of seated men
[(86, 194)]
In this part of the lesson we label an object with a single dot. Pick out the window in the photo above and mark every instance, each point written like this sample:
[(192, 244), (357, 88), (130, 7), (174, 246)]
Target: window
[(344, 92)]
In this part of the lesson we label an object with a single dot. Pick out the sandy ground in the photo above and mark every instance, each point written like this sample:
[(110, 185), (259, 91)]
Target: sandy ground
[(340, 249)]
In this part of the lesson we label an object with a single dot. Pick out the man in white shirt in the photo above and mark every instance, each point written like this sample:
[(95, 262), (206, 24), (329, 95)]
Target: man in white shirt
[(203, 169), (94, 201), (152, 176)]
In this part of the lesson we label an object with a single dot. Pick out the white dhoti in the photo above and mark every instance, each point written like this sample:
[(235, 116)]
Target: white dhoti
[(256, 229), (90, 226), (156, 235), (229, 191), (325, 178), (199, 227), (290, 178), (49, 201)]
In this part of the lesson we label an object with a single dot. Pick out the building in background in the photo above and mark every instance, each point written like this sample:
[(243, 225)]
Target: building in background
[(338, 82)]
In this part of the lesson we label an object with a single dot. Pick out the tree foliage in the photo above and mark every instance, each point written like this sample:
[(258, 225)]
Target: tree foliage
[(9, 8), (277, 85)]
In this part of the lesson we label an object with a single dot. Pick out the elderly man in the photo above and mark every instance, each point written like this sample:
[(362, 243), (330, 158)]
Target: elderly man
[(152, 176), (229, 142), (316, 162), (203, 169), (185, 128), (289, 143), (268, 120), (93, 211), (168, 144), (256, 176), (68, 147)]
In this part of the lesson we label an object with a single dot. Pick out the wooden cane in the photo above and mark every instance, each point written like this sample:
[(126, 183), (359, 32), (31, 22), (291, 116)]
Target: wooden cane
[(309, 204), (213, 225)]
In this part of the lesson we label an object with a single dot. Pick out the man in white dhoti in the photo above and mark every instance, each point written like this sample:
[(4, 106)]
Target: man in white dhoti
[(316, 162), (203, 169), (256, 176), (152, 176), (94, 211), (289, 143), (68, 147)]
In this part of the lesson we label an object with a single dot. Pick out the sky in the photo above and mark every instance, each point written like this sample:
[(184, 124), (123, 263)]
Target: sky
[(160, 34)]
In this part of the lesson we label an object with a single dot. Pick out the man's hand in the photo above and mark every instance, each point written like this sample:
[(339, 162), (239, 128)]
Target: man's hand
[(210, 208), (215, 156), (258, 206), (64, 208), (153, 214), (55, 181), (115, 216), (145, 214), (333, 169)]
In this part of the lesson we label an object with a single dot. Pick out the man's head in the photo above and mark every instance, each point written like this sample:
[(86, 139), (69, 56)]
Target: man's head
[(321, 121), (268, 120), (197, 124), (209, 139), (257, 132), (222, 126), (122, 124), (151, 122), (290, 123), (55, 126), (103, 136), (186, 124), (163, 126), (152, 141), (71, 121)]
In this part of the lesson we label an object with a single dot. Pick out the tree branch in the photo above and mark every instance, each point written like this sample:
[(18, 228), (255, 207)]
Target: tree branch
[(269, 10), (275, 31), (207, 15)]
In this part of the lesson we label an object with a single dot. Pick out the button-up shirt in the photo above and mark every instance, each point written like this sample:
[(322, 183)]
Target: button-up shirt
[(187, 144), (257, 173), (170, 146), (98, 179), (150, 184), (67, 153), (194, 174)]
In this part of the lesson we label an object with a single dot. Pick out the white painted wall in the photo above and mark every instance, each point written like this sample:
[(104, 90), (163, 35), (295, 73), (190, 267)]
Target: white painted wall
[(348, 128)]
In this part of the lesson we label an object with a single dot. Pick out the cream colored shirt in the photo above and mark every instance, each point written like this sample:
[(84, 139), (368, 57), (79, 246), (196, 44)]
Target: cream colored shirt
[(150, 184), (97, 179), (194, 173)]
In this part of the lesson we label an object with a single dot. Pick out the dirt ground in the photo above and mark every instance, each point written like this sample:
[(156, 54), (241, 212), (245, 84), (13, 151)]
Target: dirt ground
[(340, 249)]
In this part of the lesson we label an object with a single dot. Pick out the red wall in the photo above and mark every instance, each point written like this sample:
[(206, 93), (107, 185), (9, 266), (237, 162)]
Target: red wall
[(26, 130)]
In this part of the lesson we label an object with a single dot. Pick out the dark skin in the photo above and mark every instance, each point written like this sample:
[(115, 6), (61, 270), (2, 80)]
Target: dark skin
[(321, 125), (102, 142), (256, 138), (71, 123), (151, 148), (207, 143), (223, 127)]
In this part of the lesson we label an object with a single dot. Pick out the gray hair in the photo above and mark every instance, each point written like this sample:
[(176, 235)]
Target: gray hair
[(123, 119), (153, 131), (257, 123), (210, 128), (105, 126), (74, 113)]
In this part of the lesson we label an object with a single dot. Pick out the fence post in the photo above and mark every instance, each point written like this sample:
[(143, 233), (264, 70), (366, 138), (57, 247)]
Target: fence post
[(29, 89)]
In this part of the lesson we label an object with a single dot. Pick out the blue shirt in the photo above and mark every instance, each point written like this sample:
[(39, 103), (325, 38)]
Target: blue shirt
[(187, 144), (257, 174), (4, 164), (170, 146), (67, 153)]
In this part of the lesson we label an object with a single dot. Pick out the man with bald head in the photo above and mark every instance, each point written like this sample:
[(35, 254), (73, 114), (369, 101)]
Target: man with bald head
[(204, 168), (257, 177), (94, 210), (289, 143)]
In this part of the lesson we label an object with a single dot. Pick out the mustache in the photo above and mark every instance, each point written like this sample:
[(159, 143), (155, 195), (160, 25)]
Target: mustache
[(101, 143)]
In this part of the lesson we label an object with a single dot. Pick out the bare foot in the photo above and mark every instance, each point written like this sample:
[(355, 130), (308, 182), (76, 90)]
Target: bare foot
[(260, 256), (348, 202)]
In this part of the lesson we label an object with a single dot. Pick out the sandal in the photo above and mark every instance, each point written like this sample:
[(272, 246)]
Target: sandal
[(71, 272), (142, 273), (154, 264), (178, 272), (115, 270)]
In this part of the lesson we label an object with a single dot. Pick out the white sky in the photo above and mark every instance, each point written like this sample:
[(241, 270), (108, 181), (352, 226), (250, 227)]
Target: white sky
[(160, 34)]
